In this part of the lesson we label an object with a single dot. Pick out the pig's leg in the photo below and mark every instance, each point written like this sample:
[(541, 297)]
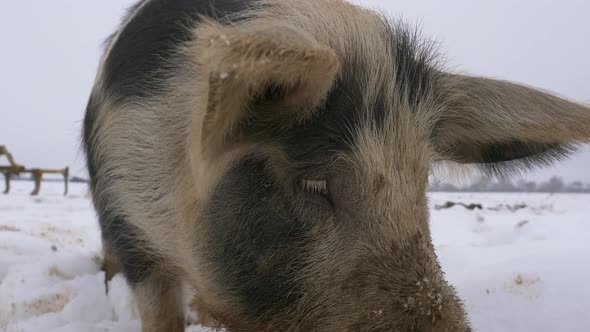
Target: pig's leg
[(160, 304), (110, 263), (158, 294), (205, 317)]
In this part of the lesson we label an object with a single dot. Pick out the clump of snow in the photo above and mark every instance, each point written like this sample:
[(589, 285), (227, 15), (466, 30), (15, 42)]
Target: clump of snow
[(520, 263)]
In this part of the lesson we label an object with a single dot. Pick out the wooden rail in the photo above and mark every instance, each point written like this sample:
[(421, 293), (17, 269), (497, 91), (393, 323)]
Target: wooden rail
[(16, 169)]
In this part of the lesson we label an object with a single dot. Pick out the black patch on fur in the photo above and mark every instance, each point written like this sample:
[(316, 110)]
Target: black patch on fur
[(128, 244), (416, 63), (255, 240), (515, 157), (332, 128), (143, 55)]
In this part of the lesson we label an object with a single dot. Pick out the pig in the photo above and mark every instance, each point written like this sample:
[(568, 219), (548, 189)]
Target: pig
[(274, 155)]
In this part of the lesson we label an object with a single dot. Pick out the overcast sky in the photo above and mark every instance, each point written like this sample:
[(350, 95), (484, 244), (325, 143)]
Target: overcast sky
[(50, 51)]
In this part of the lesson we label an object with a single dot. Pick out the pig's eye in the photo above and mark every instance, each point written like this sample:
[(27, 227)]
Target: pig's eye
[(315, 186)]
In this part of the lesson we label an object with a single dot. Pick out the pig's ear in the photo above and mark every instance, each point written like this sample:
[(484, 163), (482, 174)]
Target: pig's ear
[(505, 126), (274, 75)]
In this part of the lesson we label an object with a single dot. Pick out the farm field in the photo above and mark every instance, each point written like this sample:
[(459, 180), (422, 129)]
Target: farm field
[(521, 263)]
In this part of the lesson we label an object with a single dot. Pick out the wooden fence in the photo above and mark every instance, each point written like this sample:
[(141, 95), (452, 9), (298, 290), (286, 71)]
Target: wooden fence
[(14, 169)]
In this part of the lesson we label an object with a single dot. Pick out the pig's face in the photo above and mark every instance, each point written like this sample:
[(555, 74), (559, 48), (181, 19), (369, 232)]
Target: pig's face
[(330, 232), (320, 223)]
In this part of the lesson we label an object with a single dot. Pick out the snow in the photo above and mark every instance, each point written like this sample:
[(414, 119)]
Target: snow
[(518, 269)]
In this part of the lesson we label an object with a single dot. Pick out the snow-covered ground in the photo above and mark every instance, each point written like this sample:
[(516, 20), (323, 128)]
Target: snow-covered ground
[(521, 264)]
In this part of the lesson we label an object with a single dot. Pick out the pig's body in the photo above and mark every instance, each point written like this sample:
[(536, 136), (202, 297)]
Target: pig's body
[(275, 156)]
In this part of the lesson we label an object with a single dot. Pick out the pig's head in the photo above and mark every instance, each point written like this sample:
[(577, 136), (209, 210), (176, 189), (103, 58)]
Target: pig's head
[(312, 163)]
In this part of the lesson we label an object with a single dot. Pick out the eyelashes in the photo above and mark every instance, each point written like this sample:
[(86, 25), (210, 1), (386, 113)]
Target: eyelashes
[(315, 186)]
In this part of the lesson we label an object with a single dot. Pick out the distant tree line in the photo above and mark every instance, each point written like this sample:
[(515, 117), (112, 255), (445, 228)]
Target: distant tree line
[(553, 185)]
